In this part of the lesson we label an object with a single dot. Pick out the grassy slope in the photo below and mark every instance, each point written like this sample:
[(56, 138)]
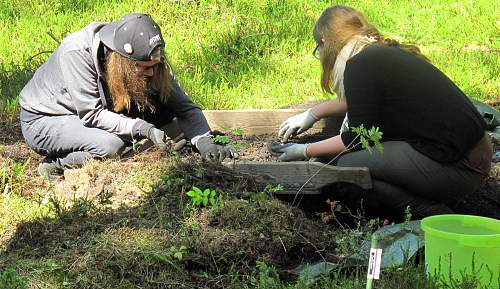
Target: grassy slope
[(244, 54)]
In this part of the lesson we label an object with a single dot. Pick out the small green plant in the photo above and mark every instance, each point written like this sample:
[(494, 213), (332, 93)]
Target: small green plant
[(202, 197), (264, 195), (19, 168), (259, 197), (222, 139), (237, 131), (135, 145), (143, 183), (240, 146), (273, 188), (177, 253), (195, 226), (10, 280), (199, 173), (172, 182), (265, 278), (366, 136), (11, 180), (408, 215)]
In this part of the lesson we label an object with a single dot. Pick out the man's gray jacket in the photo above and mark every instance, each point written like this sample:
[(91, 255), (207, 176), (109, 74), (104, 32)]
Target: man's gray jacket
[(71, 82)]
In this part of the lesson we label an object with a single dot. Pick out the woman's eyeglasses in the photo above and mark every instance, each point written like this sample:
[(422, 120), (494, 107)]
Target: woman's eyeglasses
[(316, 50)]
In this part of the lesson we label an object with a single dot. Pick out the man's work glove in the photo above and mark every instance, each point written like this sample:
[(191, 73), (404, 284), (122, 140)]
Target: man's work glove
[(159, 139), (157, 136), (213, 152), (297, 124), (289, 152)]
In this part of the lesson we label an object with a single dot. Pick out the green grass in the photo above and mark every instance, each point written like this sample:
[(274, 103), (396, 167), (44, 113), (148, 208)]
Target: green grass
[(256, 53), (14, 209)]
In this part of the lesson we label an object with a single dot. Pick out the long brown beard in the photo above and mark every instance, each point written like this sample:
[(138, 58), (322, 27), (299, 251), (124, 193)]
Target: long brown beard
[(127, 86)]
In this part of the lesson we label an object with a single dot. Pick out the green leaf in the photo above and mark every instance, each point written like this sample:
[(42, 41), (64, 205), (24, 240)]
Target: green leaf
[(178, 256), (196, 189), (222, 139), (198, 200)]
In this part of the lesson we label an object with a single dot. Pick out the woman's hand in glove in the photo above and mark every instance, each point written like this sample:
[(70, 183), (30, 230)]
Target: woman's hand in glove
[(297, 124), (289, 152), (213, 152)]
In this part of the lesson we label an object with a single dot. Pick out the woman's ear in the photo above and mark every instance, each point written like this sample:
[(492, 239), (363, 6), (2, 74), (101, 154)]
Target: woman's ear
[(322, 40)]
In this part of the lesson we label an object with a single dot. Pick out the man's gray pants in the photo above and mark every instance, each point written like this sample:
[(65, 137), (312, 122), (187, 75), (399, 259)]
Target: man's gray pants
[(67, 143), (402, 177)]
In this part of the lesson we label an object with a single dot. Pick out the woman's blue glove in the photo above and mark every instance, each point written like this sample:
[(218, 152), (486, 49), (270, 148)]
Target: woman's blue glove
[(289, 152)]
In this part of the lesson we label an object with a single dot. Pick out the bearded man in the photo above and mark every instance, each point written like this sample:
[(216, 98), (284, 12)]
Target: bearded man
[(103, 87)]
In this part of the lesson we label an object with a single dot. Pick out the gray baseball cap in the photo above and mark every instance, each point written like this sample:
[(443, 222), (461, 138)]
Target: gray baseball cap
[(134, 36)]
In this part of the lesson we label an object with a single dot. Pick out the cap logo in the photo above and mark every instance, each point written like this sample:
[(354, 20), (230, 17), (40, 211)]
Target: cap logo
[(128, 48), (154, 39)]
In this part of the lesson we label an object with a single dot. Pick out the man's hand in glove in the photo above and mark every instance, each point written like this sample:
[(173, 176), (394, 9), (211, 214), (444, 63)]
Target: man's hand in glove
[(214, 152), (157, 136), (160, 139), (297, 124), (289, 152)]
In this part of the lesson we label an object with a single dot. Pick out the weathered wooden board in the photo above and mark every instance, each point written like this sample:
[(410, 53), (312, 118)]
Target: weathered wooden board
[(264, 121), (293, 175)]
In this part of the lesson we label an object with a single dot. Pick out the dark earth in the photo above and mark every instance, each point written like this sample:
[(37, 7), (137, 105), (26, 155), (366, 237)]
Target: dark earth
[(484, 202), (103, 236)]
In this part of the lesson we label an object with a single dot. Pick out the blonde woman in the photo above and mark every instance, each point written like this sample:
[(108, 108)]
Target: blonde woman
[(436, 150)]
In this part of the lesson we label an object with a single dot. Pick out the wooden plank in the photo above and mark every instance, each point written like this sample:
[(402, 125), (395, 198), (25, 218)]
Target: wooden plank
[(293, 175), (264, 121)]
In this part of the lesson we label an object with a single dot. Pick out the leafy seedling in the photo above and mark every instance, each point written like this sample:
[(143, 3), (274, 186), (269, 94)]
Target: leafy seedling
[(222, 139), (177, 253), (202, 197), (238, 131), (368, 137)]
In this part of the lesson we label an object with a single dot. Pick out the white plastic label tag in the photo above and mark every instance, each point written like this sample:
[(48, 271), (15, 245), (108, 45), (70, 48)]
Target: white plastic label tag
[(374, 263)]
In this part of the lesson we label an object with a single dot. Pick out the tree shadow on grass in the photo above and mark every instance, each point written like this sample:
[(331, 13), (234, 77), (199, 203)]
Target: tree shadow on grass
[(91, 245), (94, 245), (11, 9), (12, 81)]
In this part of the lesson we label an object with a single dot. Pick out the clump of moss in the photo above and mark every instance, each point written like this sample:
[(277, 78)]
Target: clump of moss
[(239, 232), (128, 258)]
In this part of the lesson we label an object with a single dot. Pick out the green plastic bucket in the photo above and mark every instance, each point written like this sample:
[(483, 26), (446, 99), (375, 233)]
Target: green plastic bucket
[(458, 245)]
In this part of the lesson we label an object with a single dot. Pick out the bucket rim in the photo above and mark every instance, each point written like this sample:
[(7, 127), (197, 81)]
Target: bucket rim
[(427, 228)]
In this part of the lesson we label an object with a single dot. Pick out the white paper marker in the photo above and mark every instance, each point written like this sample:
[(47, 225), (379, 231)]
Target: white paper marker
[(374, 264)]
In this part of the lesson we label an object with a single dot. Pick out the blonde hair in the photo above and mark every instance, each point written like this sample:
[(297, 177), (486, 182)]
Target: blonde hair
[(125, 85), (337, 25)]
